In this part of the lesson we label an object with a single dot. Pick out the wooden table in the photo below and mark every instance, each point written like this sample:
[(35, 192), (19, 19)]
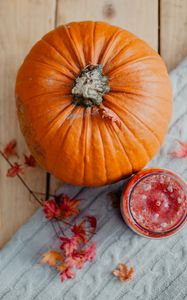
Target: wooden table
[(162, 23)]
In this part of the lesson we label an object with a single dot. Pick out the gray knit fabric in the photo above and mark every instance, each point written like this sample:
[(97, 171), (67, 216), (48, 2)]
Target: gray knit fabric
[(160, 265)]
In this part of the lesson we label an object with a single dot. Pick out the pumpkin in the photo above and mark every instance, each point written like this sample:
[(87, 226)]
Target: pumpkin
[(94, 102)]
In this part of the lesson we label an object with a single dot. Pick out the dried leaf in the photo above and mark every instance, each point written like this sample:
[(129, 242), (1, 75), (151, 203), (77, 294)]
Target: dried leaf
[(30, 161), (122, 273), (65, 272), (68, 207), (15, 170), (51, 209), (90, 251), (107, 113), (76, 259), (80, 232), (180, 152), (10, 149), (52, 258), (92, 222), (69, 244)]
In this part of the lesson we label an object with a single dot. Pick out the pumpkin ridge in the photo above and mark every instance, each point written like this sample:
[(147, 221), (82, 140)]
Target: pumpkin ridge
[(45, 78), (133, 134), (164, 120), (45, 94), (113, 131), (108, 46), (111, 137), (50, 67), (75, 49), (68, 68), (159, 112), (93, 43), (71, 67), (130, 62), (132, 93), (118, 53), (85, 124), (44, 134), (139, 121), (103, 150), (62, 141), (145, 125), (54, 164), (37, 118), (90, 43), (133, 99)]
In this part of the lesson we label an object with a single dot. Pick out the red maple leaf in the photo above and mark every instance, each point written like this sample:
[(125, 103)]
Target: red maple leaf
[(65, 272), (69, 244), (92, 222), (90, 251), (180, 152), (76, 259), (80, 231), (30, 161), (15, 170), (51, 209), (10, 149), (68, 207), (122, 273)]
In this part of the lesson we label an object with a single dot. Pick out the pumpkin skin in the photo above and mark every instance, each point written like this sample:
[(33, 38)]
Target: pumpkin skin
[(73, 142)]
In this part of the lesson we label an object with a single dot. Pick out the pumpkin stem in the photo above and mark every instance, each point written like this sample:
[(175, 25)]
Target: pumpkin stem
[(90, 86)]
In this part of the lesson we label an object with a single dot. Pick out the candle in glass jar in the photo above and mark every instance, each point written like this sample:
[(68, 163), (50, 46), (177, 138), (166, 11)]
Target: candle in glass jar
[(154, 203)]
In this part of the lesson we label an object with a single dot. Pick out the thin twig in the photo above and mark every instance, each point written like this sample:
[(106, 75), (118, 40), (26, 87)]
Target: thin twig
[(34, 194), (60, 227), (67, 223), (43, 194), (21, 179), (56, 232), (70, 224)]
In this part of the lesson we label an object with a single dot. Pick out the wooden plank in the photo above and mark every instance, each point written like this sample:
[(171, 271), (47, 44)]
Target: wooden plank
[(138, 16), (22, 23), (173, 43)]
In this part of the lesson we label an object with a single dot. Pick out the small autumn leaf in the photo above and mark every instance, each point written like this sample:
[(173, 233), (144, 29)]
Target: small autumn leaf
[(90, 251), (180, 152), (51, 209), (68, 206), (69, 244), (123, 273), (80, 231), (52, 258), (15, 170), (30, 161), (107, 113), (62, 267), (92, 222), (10, 149), (65, 272), (76, 259)]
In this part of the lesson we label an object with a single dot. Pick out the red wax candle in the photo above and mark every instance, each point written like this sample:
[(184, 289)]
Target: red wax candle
[(154, 203)]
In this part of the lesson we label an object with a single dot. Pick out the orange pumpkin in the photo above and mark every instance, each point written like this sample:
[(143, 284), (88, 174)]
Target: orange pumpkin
[(94, 102)]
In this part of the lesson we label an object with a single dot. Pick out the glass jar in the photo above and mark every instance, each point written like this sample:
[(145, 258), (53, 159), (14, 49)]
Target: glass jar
[(154, 203)]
